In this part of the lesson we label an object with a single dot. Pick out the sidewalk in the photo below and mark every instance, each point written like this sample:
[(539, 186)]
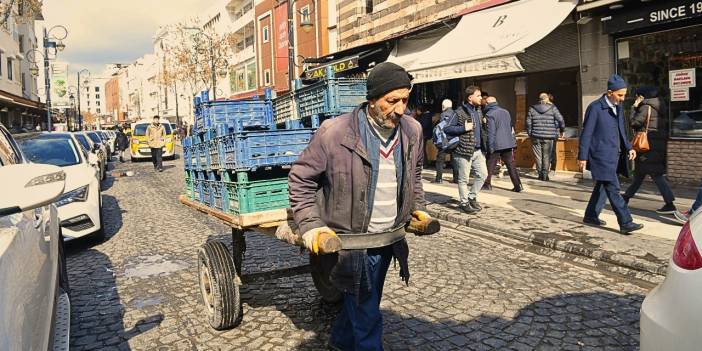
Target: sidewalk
[(550, 214)]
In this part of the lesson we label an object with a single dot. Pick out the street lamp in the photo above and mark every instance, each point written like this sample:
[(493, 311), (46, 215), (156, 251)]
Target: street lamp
[(72, 100), (80, 114), (51, 40)]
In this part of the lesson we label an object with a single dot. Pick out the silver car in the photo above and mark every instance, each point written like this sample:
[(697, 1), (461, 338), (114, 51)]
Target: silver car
[(34, 303)]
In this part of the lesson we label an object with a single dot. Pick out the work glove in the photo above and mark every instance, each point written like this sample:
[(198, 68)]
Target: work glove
[(422, 224), (321, 240)]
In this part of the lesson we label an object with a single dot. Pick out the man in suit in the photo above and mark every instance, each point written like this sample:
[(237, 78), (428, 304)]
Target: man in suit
[(604, 150)]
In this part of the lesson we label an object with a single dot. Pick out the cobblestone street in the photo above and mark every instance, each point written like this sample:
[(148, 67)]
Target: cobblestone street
[(138, 290)]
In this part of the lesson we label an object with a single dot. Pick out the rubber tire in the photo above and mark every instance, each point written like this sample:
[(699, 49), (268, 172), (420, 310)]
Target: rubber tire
[(62, 270), (321, 266), (215, 260)]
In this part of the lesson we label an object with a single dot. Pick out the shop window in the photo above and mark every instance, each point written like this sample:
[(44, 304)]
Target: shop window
[(251, 76), (305, 14), (672, 61)]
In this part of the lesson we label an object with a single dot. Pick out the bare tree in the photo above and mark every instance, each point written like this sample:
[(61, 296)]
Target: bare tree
[(23, 11)]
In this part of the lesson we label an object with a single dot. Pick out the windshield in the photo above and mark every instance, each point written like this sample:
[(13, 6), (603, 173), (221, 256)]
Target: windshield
[(94, 137), (54, 150), (167, 127), (83, 141), (140, 129), (103, 136)]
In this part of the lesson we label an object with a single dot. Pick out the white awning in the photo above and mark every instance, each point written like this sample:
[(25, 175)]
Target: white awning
[(483, 42)]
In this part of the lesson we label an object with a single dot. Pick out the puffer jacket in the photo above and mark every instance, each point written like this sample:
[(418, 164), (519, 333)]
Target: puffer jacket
[(466, 140), (156, 136), (544, 121)]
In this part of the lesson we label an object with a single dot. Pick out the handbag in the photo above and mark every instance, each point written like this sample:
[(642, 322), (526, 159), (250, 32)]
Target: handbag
[(640, 141)]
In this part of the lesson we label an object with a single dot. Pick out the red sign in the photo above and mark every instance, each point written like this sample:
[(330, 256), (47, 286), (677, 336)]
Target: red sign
[(281, 38)]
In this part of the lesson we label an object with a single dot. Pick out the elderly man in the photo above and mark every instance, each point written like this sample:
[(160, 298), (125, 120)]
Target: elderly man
[(501, 141), (360, 179), (604, 150)]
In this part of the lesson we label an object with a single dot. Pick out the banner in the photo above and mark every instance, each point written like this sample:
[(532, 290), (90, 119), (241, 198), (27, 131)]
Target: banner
[(59, 85), (280, 18)]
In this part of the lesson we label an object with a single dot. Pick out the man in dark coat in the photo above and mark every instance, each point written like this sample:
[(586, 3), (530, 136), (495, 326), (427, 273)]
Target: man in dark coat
[(604, 150), (360, 179), (544, 123), (122, 143), (469, 152), (501, 141), (648, 115)]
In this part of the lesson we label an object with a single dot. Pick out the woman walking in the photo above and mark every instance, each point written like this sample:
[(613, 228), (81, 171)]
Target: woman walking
[(648, 115)]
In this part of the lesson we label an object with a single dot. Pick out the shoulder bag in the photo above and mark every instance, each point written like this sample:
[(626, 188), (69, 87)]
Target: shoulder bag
[(640, 141)]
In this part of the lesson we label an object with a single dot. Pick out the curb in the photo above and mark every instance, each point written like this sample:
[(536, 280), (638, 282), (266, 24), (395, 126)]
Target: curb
[(633, 266)]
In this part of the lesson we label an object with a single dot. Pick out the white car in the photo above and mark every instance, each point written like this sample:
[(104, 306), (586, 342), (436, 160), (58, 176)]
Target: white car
[(80, 207), (95, 157), (671, 314), (34, 303)]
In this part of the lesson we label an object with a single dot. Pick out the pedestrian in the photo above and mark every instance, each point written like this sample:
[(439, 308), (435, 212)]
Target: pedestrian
[(156, 135), (367, 211), (122, 143), (447, 115), (469, 152), (604, 150), (544, 124), (501, 142), (683, 217), (648, 115), (424, 118)]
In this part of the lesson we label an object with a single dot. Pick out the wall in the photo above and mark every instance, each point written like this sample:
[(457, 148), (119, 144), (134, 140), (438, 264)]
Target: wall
[(684, 160), (597, 61), (112, 98)]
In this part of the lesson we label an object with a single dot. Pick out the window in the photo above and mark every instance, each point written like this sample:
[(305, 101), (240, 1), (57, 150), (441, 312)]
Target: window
[(0, 63), (251, 76), (8, 153), (97, 89), (97, 96), (24, 82), (9, 69), (369, 6), (305, 15), (54, 150), (87, 89), (97, 103), (267, 77), (98, 110), (266, 37), (20, 41), (88, 102)]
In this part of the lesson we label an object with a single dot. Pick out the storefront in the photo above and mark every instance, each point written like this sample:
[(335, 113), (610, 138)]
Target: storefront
[(512, 57), (18, 113), (660, 44)]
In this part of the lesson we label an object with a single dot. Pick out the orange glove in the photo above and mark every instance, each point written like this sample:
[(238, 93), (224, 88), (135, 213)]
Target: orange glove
[(423, 224), (321, 240)]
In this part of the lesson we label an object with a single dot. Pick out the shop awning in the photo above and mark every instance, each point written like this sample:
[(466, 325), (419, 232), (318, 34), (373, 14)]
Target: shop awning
[(483, 42)]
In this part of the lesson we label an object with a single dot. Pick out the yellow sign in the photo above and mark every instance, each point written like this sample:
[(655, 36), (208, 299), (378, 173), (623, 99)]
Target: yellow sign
[(338, 66)]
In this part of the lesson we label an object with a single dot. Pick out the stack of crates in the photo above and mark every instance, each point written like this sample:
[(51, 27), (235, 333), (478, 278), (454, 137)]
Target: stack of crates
[(326, 98), (237, 159)]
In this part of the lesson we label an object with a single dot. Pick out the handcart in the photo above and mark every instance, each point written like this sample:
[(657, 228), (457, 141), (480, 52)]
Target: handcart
[(219, 270)]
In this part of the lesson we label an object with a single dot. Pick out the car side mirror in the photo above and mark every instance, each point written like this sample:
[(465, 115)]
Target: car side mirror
[(96, 148), (92, 158), (29, 186)]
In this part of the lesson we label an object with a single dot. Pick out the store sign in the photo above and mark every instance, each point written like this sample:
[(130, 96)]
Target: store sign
[(337, 66), (680, 94), (654, 14), (489, 66), (281, 41), (683, 78)]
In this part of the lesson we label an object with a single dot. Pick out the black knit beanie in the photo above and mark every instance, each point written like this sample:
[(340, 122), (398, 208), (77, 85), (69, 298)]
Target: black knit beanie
[(386, 77)]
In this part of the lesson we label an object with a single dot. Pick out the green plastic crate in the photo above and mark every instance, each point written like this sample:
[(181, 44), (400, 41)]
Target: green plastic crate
[(189, 186), (257, 196)]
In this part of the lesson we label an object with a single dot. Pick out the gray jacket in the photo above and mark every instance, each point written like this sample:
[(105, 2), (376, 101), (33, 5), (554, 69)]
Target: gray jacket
[(544, 121), (499, 128)]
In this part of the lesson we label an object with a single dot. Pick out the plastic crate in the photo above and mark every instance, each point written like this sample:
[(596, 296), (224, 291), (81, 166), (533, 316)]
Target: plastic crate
[(206, 197), (256, 196), (217, 200), (330, 97), (213, 151), (197, 190), (201, 157), (189, 187), (259, 149), (238, 116), (283, 108), (187, 165)]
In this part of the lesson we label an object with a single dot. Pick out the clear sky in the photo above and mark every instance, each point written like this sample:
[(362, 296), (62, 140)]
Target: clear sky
[(112, 31)]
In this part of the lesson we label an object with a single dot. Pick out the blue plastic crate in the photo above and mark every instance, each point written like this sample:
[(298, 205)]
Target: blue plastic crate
[(213, 151), (197, 190), (238, 116), (330, 97), (201, 156), (244, 151), (187, 165), (283, 108)]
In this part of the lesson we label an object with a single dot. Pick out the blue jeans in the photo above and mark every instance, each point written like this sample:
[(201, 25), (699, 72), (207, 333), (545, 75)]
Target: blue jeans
[(359, 326), (698, 200), (464, 165), (602, 191)]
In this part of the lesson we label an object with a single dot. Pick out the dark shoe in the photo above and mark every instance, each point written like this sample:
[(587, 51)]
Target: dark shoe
[(160, 169), (631, 227), (437, 181), (546, 178), (667, 209), (518, 188), (626, 198), (594, 221), (486, 187), (467, 208), (681, 217), (474, 204)]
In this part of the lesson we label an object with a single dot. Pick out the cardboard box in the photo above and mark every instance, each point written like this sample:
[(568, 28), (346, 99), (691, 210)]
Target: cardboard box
[(524, 157), (567, 154)]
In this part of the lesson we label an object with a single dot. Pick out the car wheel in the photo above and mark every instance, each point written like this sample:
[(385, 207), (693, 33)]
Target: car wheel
[(63, 271)]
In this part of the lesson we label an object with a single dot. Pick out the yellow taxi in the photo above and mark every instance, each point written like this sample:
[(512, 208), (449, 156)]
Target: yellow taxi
[(139, 145)]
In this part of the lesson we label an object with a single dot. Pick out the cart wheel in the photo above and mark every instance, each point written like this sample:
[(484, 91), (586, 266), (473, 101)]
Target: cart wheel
[(321, 266), (218, 287)]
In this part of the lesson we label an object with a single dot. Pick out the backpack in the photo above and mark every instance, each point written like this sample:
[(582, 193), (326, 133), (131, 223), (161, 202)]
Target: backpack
[(439, 137)]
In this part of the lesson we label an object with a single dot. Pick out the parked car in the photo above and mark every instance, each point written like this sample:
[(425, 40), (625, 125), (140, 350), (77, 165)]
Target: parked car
[(95, 137), (105, 141), (671, 313), (112, 138), (34, 304), (139, 147), (92, 152), (80, 207)]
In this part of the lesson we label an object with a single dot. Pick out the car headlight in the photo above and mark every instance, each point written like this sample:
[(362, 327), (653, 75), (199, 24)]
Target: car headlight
[(78, 195), (135, 141)]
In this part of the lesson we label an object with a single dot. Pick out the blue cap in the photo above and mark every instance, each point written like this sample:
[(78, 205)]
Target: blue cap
[(616, 82)]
